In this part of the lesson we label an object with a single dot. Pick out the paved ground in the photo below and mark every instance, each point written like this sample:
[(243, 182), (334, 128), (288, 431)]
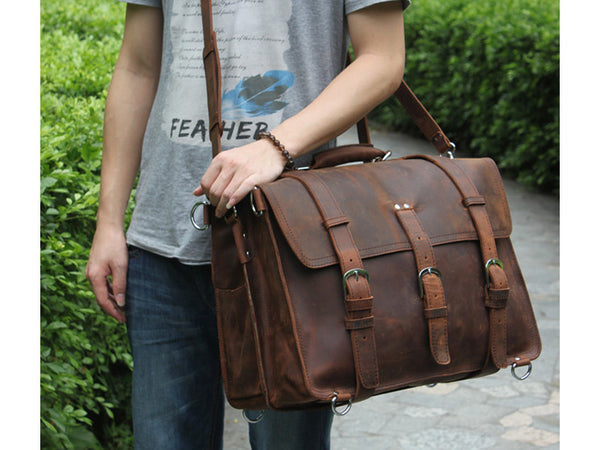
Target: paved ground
[(494, 412)]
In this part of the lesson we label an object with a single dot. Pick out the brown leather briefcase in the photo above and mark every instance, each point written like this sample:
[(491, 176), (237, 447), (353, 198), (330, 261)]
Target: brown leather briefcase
[(339, 283)]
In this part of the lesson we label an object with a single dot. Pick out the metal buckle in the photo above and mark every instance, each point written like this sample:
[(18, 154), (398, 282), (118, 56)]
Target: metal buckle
[(355, 272), (334, 406), (491, 262), (432, 271), (193, 212)]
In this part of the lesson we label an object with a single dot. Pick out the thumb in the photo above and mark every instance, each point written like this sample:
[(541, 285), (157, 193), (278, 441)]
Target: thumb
[(119, 284)]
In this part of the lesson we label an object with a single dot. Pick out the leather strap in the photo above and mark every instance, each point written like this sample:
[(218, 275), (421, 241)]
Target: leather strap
[(497, 291), (358, 298), (212, 70), (434, 299), (423, 119)]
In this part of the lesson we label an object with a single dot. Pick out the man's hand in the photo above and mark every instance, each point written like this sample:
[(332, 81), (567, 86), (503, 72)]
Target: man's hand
[(109, 259), (233, 173)]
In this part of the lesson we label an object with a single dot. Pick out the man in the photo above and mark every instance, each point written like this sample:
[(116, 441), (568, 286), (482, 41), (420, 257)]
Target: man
[(283, 72)]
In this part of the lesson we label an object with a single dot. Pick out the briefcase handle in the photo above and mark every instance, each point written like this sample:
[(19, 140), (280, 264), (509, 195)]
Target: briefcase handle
[(212, 68), (347, 154)]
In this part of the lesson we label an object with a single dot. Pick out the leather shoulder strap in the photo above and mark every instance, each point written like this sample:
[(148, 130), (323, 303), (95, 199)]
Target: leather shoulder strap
[(212, 70)]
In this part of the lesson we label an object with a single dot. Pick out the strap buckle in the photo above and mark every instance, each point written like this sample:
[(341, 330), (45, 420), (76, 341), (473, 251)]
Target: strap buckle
[(491, 262), (427, 270), (356, 272)]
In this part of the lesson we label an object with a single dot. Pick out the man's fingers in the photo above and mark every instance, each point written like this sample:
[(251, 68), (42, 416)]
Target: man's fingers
[(119, 283), (103, 292)]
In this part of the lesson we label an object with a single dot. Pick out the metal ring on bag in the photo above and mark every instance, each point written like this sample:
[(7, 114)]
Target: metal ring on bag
[(334, 406), (193, 212), (450, 152), (513, 370), (385, 157), (248, 419), (256, 212)]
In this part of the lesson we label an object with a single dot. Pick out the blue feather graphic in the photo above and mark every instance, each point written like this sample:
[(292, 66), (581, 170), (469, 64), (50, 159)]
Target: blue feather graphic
[(257, 95)]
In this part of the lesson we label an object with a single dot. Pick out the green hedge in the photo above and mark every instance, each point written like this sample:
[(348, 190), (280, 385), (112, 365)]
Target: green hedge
[(489, 73), (85, 360)]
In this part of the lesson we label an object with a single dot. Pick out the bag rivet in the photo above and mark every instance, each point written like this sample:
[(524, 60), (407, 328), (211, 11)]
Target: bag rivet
[(397, 207)]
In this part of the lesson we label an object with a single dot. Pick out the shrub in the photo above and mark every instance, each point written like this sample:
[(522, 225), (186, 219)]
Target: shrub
[(85, 359), (489, 73)]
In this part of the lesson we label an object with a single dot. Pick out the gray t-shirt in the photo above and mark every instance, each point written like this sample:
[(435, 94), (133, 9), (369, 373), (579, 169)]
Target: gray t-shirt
[(276, 57)]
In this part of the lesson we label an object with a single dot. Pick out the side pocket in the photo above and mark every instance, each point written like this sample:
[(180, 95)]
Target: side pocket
[(240, 361)]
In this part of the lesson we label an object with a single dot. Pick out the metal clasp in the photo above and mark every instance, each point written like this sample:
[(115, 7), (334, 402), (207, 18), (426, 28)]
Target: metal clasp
[(426, 270), (355, 272)]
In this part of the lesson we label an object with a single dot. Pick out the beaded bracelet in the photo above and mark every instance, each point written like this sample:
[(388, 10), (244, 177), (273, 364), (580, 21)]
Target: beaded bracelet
[(290, 165)]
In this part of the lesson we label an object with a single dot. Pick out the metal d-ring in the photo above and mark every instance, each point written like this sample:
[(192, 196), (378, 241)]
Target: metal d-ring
[(256, 212), (248, 419), (450, 152), (193, 212), (334, 406), (513, 370), (385, 157)]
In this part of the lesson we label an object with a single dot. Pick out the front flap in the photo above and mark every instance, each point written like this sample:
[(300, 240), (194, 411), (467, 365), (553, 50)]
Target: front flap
[(367, 193)]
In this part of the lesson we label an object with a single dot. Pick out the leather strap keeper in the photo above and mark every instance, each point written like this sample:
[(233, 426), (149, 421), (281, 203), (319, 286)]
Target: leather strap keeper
[(335, 221), (470, 201), (496, 298), (361, 304), (359, 324), (436, 313)]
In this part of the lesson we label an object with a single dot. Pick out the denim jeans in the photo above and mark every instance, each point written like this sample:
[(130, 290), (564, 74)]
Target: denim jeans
[(178, 400)]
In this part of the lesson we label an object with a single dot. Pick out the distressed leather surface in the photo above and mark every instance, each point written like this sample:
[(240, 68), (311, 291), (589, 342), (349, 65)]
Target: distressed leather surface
[(370, 191), (283, 312)]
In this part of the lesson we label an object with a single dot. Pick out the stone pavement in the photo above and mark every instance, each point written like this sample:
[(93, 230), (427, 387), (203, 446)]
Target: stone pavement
[(494, 412)]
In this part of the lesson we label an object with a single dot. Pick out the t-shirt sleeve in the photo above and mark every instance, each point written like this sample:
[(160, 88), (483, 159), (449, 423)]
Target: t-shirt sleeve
[(355, 5), (153, 3)]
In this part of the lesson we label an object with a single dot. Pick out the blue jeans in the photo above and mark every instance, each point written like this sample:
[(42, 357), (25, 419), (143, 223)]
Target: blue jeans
[(178, 400)]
